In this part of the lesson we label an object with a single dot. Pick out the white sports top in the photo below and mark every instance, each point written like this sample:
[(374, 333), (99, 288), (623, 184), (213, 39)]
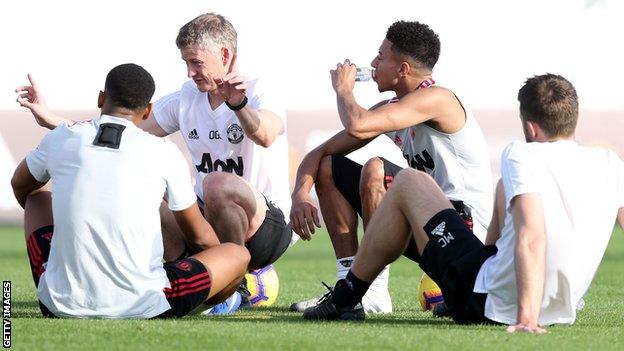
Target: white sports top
[(582, 189), (106, 253), (216, 140), (458, 162)]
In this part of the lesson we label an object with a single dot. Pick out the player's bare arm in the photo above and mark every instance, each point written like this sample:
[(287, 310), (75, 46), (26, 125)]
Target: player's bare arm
[(530, 256), (31, 97), (620, 217), (199, 235), (261, 126), (303, 214), (24, 183), (436, 105)]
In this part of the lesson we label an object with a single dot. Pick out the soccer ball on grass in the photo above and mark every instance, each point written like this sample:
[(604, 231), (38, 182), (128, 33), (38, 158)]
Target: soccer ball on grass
[(429, 294), (263, 285)]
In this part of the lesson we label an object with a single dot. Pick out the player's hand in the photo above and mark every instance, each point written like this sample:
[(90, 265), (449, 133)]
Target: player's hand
[(30, 97), (343, 77), (525, 328), (233, 86), (304, 217)]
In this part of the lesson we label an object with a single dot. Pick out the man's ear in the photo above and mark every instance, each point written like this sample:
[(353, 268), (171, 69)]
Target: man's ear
[(101, 99), (148, 112), (533, 130), (226, 54), (405, 69)]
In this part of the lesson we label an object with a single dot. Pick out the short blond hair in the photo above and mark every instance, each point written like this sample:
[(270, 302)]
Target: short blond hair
[(209, 31)]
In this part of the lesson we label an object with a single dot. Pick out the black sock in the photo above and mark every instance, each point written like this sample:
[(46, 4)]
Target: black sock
[(349, 291)]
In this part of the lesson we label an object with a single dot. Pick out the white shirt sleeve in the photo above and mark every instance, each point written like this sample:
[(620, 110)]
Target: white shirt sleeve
[(518, 171), (166, 112), (264, 98), (37, 160), (179, 188)]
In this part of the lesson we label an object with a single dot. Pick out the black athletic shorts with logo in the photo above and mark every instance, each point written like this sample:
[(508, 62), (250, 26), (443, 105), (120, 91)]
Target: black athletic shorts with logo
[(190, 281), (190, 284), (452, 258), (38, 249), (346, 176), (269, 242)]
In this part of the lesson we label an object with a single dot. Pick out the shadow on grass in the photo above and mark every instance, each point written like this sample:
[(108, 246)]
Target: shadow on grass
[(281, 315), (25, 309), (30, 309)]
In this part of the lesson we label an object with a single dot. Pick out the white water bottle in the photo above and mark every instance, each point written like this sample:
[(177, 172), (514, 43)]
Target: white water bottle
[(363, 74)]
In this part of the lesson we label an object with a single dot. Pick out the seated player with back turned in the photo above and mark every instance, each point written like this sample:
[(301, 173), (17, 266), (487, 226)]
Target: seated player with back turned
[(556, 222), (94, 242)]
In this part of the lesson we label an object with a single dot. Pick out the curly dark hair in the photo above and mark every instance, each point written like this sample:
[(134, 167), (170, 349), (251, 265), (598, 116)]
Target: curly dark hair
[(129, 86), (550, 101), (415, 40)]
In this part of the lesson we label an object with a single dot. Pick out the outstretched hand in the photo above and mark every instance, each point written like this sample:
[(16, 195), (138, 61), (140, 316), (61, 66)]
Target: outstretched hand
[(303, 218), (233, 86), (30, 97)]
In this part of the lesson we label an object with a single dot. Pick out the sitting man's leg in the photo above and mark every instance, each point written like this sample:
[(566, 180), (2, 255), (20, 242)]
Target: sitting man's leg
[(240, 214), (38, 230), (204, 279), (174, 244), (338, 189), (414, 206)]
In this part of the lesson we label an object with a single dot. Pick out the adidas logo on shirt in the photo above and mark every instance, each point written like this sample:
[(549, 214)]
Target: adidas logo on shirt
[(439, 230), (193, 134)]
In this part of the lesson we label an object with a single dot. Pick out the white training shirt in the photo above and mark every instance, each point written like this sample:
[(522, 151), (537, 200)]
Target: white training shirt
[(458, 162), (582, 189), (216, 140), (106, 253)]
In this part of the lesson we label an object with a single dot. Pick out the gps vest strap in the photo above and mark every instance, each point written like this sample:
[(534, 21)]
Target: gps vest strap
[(109, 135)]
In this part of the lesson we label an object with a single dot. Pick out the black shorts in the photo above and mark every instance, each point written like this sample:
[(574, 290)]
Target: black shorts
[(346, 176), (190, 281), (269, 242), (38, 250), (190, 285), (271, 239), (452, 258)]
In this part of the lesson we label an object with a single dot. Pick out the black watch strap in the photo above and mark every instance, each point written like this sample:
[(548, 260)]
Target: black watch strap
[(239, 106)]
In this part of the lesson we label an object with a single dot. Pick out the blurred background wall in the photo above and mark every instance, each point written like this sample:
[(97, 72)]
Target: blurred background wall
[(488, 49)]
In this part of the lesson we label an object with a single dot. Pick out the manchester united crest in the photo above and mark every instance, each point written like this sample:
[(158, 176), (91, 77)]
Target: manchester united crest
[(235, 134)]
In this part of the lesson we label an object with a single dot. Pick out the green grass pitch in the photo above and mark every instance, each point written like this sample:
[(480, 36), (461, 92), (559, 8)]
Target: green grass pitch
[(600, 326)]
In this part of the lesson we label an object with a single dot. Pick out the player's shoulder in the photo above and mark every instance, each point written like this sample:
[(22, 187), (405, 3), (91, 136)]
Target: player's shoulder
[(188, 88), (433, 95), (81, 126), (157, 146), (517, 149), (433, 90), (600, 152)]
